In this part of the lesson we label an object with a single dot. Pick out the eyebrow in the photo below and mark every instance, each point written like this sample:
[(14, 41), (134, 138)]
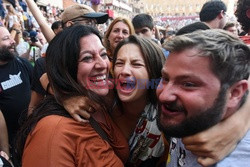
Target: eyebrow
[(90, 51), (184, 76)]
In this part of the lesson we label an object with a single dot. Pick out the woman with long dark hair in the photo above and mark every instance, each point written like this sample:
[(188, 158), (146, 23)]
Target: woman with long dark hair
[(77, 65)]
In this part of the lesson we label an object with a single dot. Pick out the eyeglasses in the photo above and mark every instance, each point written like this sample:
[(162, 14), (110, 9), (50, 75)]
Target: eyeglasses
[(85, 21)]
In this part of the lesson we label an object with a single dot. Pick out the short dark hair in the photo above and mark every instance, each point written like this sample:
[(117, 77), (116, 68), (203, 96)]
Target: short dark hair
[(211, 9), (242, 7), (143, 20), (56, 25)]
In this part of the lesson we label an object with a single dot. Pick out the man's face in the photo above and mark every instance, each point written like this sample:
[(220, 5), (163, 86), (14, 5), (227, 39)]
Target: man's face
[(7, 45), (145, 32), (190, 96)]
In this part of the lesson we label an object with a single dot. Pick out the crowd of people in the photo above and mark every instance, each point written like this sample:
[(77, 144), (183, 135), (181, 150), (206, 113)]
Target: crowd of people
[(73, 94)]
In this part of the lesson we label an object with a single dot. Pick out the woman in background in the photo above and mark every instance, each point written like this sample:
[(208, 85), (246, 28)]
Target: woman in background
[(119, 29)]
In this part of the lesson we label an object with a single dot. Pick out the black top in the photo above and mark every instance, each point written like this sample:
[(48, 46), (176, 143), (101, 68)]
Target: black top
[(39, 70), (15, 84)]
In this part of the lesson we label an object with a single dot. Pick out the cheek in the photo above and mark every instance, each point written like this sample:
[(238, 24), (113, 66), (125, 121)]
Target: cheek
[(126, 36), (108, 63), (116, 71), (83, 74), (111, 36)]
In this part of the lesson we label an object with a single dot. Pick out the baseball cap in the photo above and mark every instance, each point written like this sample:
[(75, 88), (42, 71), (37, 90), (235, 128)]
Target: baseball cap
[(80, 10)]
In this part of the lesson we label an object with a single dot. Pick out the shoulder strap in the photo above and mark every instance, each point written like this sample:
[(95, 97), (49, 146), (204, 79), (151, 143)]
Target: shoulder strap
[(98, 129)]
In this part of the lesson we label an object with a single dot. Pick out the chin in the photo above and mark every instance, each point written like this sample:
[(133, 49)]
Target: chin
[(101, 92)]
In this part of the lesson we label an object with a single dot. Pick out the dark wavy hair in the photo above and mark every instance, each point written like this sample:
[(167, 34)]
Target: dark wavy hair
[(61, 65), (242, 7)]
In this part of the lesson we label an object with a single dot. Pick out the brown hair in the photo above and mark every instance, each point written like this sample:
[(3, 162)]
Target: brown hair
[(106, 36)]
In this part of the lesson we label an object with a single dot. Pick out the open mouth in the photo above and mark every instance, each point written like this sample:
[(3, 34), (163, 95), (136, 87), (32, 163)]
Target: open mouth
[(127, 85), (172, 109), (11, 48), (98, 81)]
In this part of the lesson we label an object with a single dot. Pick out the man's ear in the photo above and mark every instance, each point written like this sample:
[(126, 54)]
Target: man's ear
[(248, 13), (221, 14), (236, 92), (153, 31), (69, 23)]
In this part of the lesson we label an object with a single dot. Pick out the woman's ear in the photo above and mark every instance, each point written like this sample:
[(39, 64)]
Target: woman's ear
[(236, 93)]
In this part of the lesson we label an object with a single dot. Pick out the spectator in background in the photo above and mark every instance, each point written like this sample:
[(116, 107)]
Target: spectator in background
[(15, 81), (212, 15), (95, 5), (23, 5), (119, 29), (75, 14), (11, 17), (57, 27), (36, 46), (231, 27), (2, 13), (23, 48), (144, 26), (243, 15)]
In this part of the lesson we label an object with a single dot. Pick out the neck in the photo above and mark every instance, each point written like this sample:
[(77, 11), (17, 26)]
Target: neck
[(212, 24), (129, 118), (134, 109)]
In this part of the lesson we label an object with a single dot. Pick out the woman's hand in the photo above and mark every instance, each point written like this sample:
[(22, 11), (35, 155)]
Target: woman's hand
[(80, 107)]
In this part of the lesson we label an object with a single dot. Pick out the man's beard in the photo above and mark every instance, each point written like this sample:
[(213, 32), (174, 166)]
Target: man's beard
[(200, 122), (6, 55)]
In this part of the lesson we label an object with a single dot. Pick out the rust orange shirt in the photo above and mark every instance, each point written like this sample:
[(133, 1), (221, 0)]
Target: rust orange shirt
[(61, 141)]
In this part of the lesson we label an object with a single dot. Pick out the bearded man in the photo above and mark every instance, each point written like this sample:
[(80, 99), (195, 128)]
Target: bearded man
[(15, 81)]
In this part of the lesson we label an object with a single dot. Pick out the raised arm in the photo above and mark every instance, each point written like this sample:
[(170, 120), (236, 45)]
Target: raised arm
[(45, 28), (217, 142)]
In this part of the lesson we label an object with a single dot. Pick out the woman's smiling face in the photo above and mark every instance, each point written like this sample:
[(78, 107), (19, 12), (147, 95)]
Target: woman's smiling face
[(93, 65)]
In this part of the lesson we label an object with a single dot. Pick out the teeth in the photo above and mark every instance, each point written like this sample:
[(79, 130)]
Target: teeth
[(101, 77)]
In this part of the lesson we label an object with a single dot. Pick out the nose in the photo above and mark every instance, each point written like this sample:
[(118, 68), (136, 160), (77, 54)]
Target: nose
[(166, 92), (126, 71), (101, 63), (12, 41), (120, 35)]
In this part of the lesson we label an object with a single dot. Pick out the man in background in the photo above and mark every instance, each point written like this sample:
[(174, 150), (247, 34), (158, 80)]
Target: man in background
[(212, 16)]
